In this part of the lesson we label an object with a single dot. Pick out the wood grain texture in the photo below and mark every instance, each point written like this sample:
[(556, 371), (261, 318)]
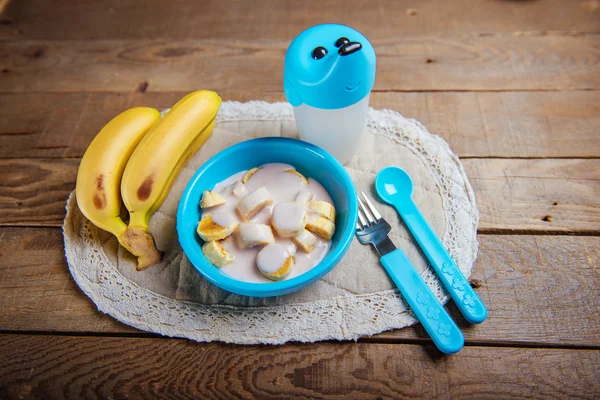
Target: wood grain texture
[(67, 67), (404, 63), (475, 124), (559, 277), (36, 289), (90, 367), (35, 192), (510, 124), (536, 195), (235, 19), (512, 195)]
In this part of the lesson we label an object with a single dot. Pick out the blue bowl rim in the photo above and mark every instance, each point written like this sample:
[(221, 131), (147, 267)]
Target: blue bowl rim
[(268, 289)]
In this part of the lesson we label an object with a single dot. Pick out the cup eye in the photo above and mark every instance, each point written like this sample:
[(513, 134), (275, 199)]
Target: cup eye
[(319, 52), (341, 41)]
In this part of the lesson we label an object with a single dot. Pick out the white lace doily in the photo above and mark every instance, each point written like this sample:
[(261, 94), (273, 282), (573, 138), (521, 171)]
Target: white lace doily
[(330, 309)]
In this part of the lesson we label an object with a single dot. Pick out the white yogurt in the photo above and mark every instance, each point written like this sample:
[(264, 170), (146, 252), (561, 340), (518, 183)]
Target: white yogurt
[(282, 187)]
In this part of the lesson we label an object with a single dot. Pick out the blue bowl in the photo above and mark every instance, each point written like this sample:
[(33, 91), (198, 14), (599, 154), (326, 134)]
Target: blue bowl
[(309, 160)]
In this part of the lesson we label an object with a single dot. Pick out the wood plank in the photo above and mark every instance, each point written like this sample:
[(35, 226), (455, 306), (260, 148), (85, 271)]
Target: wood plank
[(37, 290), (536, 195), (76, 367), (188, 19), (405, 63), (514, 196), (480, 124), (510, 124), (558, 277), (35, 192)]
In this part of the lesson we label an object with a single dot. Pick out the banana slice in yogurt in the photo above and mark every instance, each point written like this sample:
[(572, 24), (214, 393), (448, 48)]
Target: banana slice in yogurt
[(251, 204), (274, 261), (250, 234), (288, 219)]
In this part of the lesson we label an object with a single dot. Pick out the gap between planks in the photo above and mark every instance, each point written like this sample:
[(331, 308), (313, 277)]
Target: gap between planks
[(272, 92), (366, 339)]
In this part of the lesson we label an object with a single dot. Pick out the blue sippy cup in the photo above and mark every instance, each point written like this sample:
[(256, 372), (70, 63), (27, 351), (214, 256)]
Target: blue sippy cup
[(328, 76)]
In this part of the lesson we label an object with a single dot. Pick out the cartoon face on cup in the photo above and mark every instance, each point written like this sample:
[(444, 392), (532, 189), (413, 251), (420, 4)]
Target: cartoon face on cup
[(328, 77)]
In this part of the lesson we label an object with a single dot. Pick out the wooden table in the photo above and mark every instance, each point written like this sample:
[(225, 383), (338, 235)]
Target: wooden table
[(513, 86)]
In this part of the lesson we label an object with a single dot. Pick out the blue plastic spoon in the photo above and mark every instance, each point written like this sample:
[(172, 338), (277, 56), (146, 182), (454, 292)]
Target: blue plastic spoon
[(395, 187)]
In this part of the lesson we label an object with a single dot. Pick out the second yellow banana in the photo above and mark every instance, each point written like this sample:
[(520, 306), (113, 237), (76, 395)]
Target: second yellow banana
[(156, 162)]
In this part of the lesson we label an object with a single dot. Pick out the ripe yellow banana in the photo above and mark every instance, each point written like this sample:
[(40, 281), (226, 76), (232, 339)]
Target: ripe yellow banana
[(98, 188), (156, 162)]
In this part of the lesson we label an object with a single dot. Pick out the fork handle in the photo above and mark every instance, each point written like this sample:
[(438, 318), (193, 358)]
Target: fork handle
[(436, 321)]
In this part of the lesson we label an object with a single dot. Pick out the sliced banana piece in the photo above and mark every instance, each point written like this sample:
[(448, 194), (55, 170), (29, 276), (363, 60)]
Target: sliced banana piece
[(218, 228), (250, 234), (216, 254), (323, 208), (211, 199), (288, 219), (249, 174), (305, 240), (274, 261), (302, 177), (252, 203), (303, 197), (321, 227), (238, 189)]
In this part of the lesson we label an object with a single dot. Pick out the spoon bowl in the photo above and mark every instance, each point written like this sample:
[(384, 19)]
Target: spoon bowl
[(392, 184)]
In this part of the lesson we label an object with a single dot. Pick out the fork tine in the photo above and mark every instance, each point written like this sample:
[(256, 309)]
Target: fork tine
[(372, 207), (366, 212), (363, 222)]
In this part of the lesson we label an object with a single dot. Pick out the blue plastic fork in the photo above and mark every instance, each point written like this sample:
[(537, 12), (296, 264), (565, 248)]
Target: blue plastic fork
[(373, 229)]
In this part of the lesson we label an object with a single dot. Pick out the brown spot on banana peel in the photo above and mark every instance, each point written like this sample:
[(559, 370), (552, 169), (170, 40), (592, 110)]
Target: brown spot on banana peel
[(100, 183), (145, 189), (99, 198), (141, 244)]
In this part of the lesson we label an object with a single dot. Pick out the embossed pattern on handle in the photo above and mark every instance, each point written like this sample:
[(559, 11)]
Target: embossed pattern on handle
[(426, 307), (470, 305)]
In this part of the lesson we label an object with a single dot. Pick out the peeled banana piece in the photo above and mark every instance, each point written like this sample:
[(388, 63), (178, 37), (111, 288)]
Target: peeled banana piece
[(321, 226), (216, 254), (209, 229), (305, 240), (274, 261), (298, 174), (157, 160), (323, 208), (252, 203), (238, 189), (98, 188), (303, 197), (288, 219), (211, 199), (250, 234), (249, 174)]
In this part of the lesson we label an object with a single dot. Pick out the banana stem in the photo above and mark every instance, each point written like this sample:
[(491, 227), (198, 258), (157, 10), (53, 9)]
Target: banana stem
[(141, 244), (138, 220)]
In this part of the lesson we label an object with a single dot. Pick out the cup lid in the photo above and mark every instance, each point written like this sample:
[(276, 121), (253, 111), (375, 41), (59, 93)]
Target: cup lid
[(328, 66)]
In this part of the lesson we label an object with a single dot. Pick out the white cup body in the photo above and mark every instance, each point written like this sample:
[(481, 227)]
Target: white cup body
[(338, 131)]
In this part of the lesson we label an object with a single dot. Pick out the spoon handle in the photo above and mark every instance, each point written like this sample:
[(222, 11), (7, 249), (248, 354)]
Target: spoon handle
[(454, 281), (428, 310)]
